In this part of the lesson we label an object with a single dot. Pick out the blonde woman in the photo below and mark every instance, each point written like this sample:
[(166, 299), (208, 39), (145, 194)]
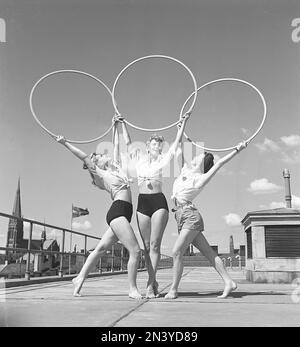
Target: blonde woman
[(107, 174), (152, 209)]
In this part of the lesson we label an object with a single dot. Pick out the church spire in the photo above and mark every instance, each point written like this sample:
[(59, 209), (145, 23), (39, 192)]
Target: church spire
[(15, 226), (17, 204)]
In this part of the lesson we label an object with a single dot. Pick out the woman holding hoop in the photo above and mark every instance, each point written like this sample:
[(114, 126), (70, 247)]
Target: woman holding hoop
[(152, 210), (107, 174), (192, 179)]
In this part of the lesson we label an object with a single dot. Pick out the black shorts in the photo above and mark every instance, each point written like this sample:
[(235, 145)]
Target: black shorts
[(119, 208), (150, 203)]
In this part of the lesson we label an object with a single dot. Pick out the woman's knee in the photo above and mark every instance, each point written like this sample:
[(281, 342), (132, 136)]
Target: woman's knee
[(155, 246), (135, 253), (147, 246), (177, 254)]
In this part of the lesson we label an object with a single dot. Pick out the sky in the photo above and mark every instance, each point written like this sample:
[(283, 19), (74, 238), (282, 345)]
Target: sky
[(256, 41)]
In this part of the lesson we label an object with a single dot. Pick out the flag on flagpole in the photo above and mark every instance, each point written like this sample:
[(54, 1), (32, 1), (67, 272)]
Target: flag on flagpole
[(77, 212)]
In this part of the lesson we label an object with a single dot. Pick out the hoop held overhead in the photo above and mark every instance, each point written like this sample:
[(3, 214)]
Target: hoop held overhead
[(252, 136), (194, 94), (58, 72)]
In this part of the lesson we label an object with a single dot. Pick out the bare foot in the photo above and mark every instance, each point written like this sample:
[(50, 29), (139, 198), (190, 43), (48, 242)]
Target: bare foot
[(172, 294), (229, 287), (155, 288), (77, 283), (135, 294), (150, 294)]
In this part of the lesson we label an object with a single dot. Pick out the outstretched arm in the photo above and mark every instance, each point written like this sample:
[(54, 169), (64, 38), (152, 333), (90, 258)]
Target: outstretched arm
[(181, 128), (171, 152), (205, 178), (76, 151)]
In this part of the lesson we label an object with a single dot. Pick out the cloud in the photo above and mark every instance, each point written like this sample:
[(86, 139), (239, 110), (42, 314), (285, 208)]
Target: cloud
[(295, 201), (263, 186), (288, 157), (292, 158), (291, 140), (275, 204), (86, 225), (268, 145), (282, 204), (232, 219)]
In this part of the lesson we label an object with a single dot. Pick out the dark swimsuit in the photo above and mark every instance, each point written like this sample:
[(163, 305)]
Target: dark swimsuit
[(150, 203)]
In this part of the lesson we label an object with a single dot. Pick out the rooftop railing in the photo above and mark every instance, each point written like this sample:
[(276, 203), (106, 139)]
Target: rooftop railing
[(33, 261)]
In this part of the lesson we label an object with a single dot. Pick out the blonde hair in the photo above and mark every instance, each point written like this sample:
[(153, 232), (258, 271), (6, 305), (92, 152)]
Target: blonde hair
[(157, 138), (92, 158)]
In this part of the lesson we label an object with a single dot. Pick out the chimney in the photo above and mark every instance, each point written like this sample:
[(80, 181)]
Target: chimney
[(288, 197)]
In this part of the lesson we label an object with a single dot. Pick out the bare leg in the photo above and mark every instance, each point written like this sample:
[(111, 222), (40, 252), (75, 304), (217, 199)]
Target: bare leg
[(159, 222), (201, 243), (182, 243), (144, 225), (123, 230), (106, 242)]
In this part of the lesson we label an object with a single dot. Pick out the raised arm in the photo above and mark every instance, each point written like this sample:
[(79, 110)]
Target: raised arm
[(116, 142), (124, 157), (126, 135), (130, 157), (76, 151), (205, 178), (171, 152)]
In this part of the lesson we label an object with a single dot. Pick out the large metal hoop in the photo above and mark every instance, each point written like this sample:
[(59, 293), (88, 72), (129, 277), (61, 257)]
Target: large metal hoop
[(59, 72), (252, 136), (150, 57)]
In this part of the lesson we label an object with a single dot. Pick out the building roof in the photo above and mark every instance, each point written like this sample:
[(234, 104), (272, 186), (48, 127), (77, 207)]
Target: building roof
[(48, 243), (282, 212)]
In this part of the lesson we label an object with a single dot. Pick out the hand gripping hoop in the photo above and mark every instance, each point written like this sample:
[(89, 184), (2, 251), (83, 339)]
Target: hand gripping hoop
[(251, 137), (194, 94), (43, 126)]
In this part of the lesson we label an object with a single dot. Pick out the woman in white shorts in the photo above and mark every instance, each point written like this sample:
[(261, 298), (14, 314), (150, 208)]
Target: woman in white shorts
[(187, 186)]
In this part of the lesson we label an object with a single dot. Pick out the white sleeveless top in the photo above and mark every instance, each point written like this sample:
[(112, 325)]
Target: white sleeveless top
[(184, 190), (153, 171), (110, 180), (148, 172)]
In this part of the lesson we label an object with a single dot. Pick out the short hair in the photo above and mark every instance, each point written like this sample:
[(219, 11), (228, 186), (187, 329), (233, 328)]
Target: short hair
[(157, 138), (208, 161), (92, 155)]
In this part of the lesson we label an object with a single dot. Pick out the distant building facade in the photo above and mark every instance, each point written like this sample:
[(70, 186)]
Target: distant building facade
[(15, 239)]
